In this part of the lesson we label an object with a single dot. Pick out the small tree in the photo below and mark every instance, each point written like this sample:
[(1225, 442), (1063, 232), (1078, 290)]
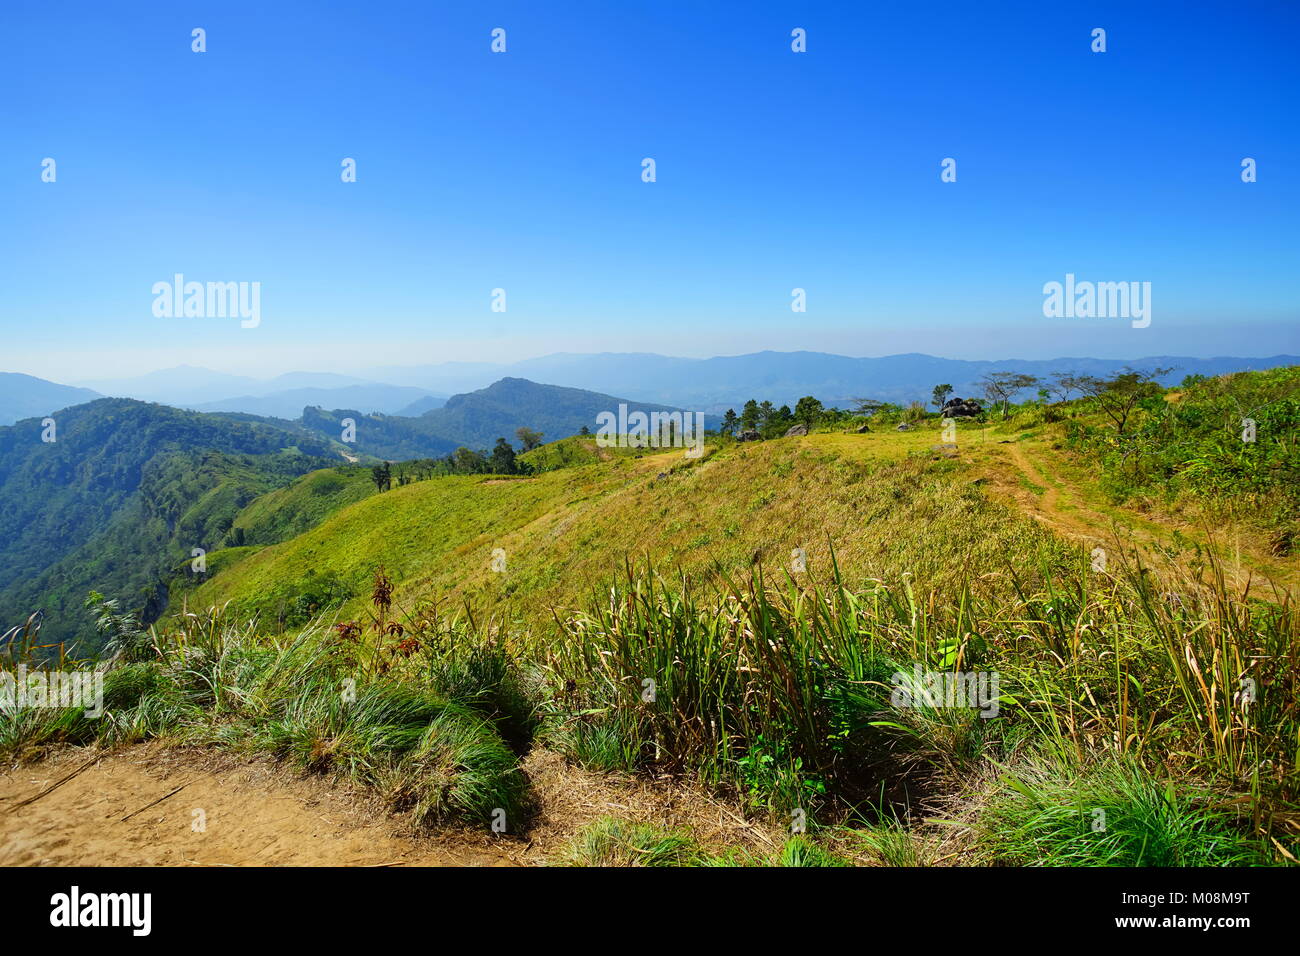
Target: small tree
[(867, 406), (529, 438), (749, 415), (382, 476), (503, 458), (466, 461), (1004, 386), (1118, 395), (1065, 384), (940, 395), (729, 422), (808, 411)]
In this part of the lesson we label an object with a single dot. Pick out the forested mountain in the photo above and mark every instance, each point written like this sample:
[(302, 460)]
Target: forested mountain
[(390, 437), (121, 491), (474, 420), (478, 418)]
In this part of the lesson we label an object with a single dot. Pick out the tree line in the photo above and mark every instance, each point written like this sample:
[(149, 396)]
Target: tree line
[(501, 459), (1116, 395)]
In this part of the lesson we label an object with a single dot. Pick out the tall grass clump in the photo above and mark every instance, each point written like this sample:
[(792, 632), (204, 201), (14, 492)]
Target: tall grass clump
[(482, 668), (770, 692), (781, 695), (1113, 814)]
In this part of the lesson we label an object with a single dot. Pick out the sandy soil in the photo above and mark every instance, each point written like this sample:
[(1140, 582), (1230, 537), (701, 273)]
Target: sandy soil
[(259, 814), (255, 815)]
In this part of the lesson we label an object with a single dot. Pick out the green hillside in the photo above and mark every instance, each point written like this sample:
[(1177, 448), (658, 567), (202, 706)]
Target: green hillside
[(123, 494), (1228, 446), (301, 506), (568, 532)]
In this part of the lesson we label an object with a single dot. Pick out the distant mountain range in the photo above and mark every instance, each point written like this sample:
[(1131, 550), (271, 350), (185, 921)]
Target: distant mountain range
[(715, 384), (23, 396), (709, 385), (284, 396), (188, 385), (390, 399)]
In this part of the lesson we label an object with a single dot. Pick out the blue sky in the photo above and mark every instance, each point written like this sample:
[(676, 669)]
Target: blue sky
[(522, 171)]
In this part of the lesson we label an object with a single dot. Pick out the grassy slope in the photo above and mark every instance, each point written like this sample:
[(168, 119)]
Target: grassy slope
[(575, 450), (568, 532), (290, 511)]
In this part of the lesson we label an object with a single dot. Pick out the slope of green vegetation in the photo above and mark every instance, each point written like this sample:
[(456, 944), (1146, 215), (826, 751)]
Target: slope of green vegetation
[(567, 532), (301, 506), (1117, 737), (578, 450), (1228, 445), (125, 491)]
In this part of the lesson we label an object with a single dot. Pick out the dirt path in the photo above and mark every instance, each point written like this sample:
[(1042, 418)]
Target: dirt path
[(1070, 514), (1049, 502), (255, 813), (252, 815)]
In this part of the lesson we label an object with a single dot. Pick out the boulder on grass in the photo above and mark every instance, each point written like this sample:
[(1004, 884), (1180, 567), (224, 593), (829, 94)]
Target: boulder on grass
[(961, 408), (796, 430), (749, 435)]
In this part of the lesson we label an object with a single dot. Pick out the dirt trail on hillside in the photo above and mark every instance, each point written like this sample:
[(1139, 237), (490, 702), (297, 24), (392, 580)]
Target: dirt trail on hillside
[(1071, 516), (252, 814), (1049, 501), (123, 808)]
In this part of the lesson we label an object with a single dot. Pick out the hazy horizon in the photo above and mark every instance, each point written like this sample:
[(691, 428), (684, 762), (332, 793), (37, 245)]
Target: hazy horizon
[(364, 372), (273, 365)]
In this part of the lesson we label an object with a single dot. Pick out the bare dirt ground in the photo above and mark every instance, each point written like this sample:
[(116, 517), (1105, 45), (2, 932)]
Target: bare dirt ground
[(256, 813), (252, 815)]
